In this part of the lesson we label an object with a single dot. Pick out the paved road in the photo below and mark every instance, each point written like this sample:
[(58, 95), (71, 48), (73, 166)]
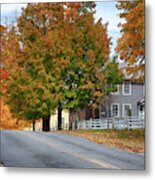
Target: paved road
[(53, 150)]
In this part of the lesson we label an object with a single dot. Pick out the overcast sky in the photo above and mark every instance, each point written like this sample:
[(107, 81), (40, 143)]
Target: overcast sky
[(106, 10)]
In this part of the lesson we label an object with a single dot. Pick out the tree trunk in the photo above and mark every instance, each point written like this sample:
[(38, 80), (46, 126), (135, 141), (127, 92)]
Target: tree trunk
[(59, 118), (46, 123), (33, 125)]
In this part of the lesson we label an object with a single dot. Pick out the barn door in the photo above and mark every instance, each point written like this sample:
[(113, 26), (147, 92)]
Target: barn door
[(46, 123)]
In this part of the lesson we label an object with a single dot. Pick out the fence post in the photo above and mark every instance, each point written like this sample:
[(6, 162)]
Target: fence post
[(113, 122), (90, 123), (142, 121), (107, 123), (84, 124), (78, 125), (128, 122)]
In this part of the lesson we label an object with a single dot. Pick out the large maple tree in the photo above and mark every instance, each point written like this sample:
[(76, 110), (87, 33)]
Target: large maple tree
[(131, 45), (60, 60), (7, 62)]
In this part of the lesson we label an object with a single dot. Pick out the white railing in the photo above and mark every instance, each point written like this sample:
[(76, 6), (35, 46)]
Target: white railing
[(112, 123), (92, 124)]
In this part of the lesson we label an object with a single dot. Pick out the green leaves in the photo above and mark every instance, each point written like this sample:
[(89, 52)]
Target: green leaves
[(113, 76), (61, 62)]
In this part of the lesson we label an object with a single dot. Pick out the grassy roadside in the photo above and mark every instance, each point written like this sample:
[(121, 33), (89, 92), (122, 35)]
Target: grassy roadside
[(132, 141)]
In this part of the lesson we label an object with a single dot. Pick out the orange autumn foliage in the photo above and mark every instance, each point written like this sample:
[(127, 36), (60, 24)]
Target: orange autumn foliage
[(8, 48), (7, 121), (131, 45), (57, 56)]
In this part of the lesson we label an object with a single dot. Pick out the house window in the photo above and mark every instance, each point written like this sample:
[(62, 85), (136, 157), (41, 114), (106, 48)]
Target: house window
[(127, 111), (115, 110), (126, 88), (116, 92)]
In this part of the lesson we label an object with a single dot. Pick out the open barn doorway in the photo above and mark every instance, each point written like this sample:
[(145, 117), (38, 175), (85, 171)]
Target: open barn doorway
[(46, 123)]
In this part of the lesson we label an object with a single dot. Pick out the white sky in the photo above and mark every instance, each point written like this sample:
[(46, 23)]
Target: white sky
[(106, 10)]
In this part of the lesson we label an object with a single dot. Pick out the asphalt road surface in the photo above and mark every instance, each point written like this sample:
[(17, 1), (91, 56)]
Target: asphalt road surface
[(54, 150)]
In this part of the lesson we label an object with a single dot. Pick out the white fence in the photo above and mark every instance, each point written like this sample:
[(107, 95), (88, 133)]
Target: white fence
[(112, 123)]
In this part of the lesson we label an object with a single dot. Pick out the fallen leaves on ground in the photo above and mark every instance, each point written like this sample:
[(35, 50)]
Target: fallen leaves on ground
[(130, 140)]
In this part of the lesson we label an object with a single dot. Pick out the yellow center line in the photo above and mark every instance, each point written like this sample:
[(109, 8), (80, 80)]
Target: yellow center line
[(100, 163)]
